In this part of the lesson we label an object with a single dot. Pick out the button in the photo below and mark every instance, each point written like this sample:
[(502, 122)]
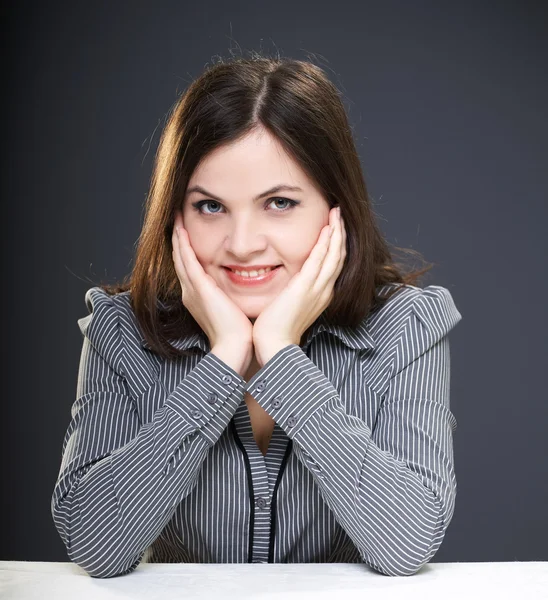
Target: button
[(197, 414), (261, 502), (276, 403), (212, 398), (227, 379), (292, 421), (261, 385)]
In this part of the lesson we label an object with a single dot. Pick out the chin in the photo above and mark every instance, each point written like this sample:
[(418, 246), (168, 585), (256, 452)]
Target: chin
[(251, 309)]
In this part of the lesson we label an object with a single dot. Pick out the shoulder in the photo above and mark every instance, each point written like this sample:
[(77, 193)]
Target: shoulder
[(100, 304), (412, 312), (436, 310), (105, 323), (111, 319), (103, 310), (433, 304)]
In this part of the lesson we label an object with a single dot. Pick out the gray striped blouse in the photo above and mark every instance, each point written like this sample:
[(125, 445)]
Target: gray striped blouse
[(159, 462)]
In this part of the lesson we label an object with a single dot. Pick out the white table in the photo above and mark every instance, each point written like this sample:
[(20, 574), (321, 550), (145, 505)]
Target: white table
[(317, 581)]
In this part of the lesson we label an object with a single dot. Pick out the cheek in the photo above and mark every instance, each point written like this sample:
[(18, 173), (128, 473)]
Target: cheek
[(300, 247), (201, 249)]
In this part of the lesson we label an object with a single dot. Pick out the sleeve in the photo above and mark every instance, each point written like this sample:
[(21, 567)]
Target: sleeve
[(120, 481), (392, 489)]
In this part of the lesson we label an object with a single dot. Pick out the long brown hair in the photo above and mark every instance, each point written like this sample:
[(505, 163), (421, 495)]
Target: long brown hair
[(297, 103)]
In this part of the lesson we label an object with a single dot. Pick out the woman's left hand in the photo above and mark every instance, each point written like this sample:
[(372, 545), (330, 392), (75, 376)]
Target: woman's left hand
[(308, 293)]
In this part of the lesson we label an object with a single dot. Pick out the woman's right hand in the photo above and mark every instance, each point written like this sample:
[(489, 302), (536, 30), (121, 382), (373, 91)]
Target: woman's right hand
[(224, 323)]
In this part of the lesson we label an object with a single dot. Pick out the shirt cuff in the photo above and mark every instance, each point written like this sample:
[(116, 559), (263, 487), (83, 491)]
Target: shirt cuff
[(207, 398), (290, 388)]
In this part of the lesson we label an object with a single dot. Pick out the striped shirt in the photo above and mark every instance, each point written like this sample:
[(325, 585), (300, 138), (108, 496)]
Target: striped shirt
[(159, 462)]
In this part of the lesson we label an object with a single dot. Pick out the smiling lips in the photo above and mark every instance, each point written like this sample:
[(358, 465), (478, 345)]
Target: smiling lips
[(252, 277), (251, 268)]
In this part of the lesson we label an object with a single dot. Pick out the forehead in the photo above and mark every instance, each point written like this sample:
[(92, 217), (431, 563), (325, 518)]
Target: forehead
[(256, 162)]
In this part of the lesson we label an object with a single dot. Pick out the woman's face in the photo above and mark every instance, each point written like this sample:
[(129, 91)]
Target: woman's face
[(230, 226)]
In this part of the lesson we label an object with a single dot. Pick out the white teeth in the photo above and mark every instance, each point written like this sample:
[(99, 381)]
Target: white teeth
[(253, 273)]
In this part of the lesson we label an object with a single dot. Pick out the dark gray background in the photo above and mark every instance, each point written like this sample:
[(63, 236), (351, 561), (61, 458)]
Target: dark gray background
[(449, 108)]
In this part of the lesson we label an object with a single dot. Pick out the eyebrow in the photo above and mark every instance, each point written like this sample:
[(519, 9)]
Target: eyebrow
[(274, 190)]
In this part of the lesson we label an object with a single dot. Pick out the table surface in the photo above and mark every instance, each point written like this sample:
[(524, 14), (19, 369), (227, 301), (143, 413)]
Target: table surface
[(318, 581)]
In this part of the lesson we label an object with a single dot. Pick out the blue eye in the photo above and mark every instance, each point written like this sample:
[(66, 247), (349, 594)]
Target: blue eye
[(198, 205)]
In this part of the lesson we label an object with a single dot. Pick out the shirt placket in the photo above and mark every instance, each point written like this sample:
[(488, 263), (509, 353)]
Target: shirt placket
[(263, 485)]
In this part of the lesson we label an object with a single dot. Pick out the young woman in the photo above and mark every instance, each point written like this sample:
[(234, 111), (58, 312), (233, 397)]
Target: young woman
[(226, 414)]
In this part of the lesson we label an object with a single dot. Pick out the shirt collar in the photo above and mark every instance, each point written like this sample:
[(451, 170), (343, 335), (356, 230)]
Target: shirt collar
[(356, 338)]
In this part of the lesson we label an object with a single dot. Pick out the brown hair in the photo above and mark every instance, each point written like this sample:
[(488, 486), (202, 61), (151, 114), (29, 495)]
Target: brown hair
[(296, 102)]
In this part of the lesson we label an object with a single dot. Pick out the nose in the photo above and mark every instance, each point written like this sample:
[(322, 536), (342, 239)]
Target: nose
[(244, 240)]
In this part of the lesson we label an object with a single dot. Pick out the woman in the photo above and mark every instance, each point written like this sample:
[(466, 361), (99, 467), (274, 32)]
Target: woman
[(296, 415)]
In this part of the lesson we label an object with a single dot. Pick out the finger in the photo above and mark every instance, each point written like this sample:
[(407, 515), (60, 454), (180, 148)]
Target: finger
[(194, 271), (339, 252), (343, 246), (333, 263), (341, 235), (330, 259), (184, 248), (178, 259), (313, 264)]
